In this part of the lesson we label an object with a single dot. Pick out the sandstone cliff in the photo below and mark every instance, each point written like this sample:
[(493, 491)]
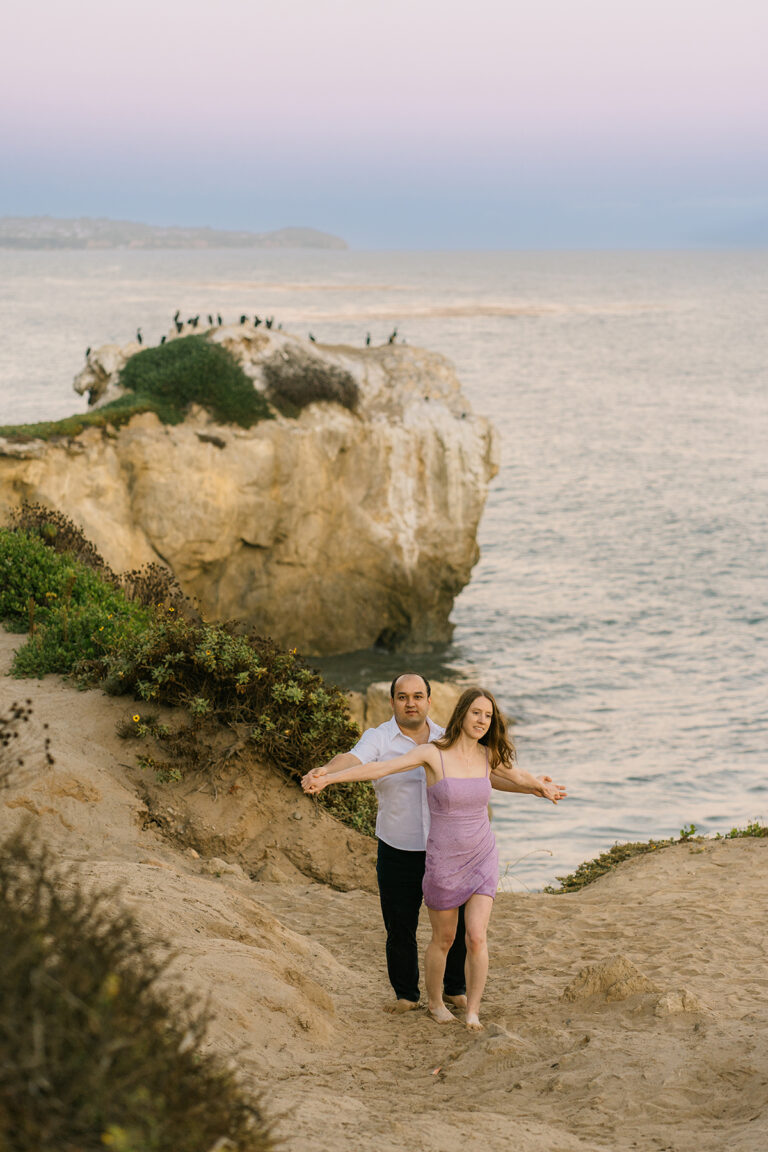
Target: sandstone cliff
[(331, 531)]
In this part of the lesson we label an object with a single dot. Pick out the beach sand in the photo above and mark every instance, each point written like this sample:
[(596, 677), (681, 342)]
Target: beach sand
[(631, 1015)]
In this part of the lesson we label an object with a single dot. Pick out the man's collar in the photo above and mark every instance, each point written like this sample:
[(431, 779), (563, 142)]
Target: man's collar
[(394, 727)]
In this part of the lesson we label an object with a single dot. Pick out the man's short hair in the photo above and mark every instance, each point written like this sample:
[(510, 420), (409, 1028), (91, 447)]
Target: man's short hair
[(400, 675)]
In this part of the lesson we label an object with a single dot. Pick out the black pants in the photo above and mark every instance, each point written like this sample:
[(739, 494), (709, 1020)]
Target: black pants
[(400, 874)]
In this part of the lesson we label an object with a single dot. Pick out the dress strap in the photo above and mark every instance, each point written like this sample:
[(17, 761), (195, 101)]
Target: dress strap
[(442, 766), (487, 768)]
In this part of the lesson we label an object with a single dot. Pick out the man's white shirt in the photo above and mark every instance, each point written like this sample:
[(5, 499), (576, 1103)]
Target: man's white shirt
[(402, 820)]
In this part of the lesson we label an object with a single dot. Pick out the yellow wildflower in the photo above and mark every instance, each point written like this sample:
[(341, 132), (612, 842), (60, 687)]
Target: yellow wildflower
[(136, 718)]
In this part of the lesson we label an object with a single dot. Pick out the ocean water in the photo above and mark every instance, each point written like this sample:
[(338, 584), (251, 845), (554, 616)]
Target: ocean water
[(620, 606)]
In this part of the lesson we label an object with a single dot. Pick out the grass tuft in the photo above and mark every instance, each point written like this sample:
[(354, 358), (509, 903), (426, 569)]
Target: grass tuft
[(591, 870)]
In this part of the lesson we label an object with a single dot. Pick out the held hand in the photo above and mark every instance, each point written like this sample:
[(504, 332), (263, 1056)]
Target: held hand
[(314, 781), (312, 775)]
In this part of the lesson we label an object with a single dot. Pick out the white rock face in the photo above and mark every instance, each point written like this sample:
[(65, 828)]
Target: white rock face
[(331, 531)]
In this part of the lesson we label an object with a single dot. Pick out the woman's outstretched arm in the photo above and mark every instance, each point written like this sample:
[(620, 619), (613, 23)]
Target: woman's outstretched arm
[(318, 779), (514, 779)]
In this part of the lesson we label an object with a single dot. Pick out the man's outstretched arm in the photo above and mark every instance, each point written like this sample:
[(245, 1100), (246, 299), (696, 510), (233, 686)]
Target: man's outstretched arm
[(340, 761)]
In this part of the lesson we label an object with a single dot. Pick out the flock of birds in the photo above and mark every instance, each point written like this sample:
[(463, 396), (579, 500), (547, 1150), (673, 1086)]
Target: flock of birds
[(217, 321)]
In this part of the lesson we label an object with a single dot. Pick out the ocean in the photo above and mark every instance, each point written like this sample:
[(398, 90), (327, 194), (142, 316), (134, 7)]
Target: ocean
[(620, 606)]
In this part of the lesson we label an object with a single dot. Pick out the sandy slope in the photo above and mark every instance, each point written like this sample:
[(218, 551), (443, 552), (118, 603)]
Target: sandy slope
[(663, 1045)]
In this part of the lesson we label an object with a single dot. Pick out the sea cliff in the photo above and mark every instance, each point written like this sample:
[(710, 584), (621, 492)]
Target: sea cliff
[(331, 529)]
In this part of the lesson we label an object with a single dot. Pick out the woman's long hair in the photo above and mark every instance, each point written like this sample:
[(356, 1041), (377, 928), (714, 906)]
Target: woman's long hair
[(501, 750)]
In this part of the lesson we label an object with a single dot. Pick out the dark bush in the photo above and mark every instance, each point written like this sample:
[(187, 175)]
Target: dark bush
[(93, 1054), (154, 585), (295, 380), (60, 533), (193, 370)]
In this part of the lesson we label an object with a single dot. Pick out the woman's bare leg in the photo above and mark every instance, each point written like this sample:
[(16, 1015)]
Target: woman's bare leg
[(477, 913), (443, 935)]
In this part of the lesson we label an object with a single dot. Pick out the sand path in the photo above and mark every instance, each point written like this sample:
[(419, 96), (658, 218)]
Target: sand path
[(663, 1045)]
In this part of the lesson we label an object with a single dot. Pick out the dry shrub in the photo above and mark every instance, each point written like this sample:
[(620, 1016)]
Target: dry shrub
[(295, 380), (153, 585), (61, 534)]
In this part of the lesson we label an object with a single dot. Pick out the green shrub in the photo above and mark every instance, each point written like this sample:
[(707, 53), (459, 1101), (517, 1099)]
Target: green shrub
[(89, 622), (193, 370), (291, 718), (76, 612), (72, 634), (93, 1051), (754, 830), (295, 380), (150, 585), (30, 569)]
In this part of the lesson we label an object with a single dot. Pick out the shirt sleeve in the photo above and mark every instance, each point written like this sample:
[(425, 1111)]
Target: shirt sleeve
[(368, 747)]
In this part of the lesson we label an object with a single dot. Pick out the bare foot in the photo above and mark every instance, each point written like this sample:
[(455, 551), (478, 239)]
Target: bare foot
[(401, 1006), (441, 1014), (456, 1001), (473, 1022)]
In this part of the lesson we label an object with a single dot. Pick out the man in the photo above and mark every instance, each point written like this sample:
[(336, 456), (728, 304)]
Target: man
[(402, 827)]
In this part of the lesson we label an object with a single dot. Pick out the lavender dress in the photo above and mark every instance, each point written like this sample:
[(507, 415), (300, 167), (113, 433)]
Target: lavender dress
[(462, 859)]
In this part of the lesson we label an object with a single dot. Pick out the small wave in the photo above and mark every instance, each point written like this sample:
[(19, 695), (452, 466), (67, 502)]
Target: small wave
[(266, 286), (463, 311)]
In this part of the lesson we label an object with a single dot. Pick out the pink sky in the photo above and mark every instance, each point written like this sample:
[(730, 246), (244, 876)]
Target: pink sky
[(315, 106)]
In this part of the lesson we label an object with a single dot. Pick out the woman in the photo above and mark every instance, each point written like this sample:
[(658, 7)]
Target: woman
[(462, 865)]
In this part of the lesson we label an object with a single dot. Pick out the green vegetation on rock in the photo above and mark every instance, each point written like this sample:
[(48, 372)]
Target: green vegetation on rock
[(165, 380), (112, 415), (192, 370)]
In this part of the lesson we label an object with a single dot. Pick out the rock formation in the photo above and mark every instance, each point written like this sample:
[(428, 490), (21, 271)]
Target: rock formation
[(332, 530)]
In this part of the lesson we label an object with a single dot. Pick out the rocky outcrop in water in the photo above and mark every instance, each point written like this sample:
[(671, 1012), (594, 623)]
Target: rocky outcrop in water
[(333, 529)]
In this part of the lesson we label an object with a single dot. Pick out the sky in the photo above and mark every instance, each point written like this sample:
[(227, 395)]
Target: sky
[(401, 124)]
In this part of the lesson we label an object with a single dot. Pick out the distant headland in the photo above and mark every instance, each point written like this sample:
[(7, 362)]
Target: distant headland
[(52, 232)]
